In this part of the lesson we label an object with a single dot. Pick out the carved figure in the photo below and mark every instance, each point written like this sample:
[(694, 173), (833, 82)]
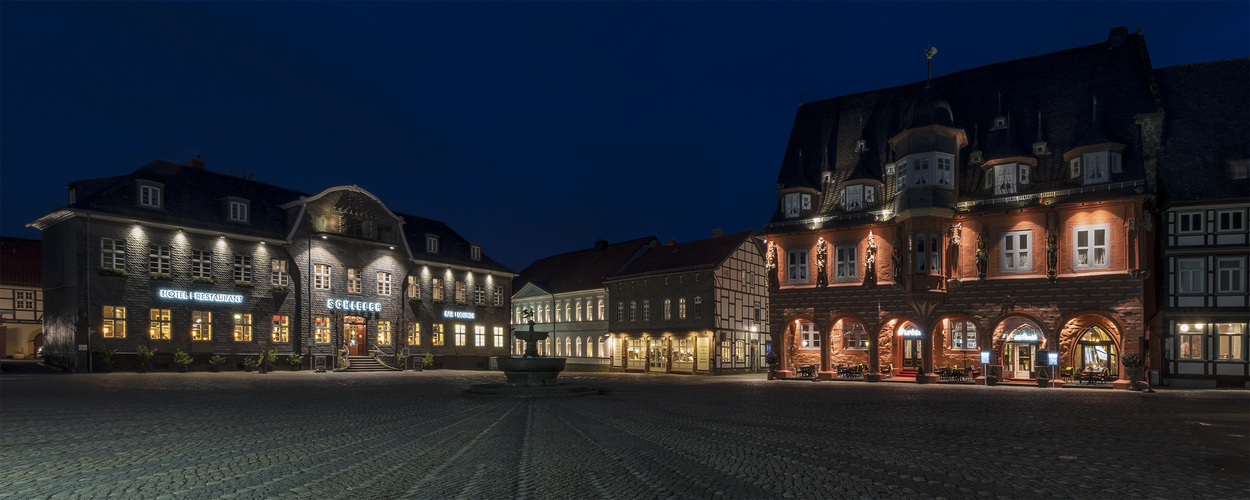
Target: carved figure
[(822, 280), (1052, 259), (982, 257), (870, 263), (772, 265)]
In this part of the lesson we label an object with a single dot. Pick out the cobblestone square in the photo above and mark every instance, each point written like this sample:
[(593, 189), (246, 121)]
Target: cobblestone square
[(418, 435)]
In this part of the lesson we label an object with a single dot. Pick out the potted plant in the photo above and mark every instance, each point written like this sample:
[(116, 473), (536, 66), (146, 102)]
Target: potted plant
[(920, 378), (427, 361), (143, 358), (992, 377), (296, 361), (401, 358), (1133, 367), (1043, 377), (773, 360), (248, 364), (271, 359), (106, 358), (215, 362), (182, 359)]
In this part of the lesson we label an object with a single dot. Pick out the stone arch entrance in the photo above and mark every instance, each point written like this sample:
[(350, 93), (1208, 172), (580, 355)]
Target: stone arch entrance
[(1091, 343), (1017, 339)]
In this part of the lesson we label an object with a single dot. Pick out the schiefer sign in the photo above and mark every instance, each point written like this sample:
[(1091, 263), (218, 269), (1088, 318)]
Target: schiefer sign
[(353, 305)]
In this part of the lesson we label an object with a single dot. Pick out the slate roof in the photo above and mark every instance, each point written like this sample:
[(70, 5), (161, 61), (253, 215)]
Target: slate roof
[(1207, 125), (452, 248), (21, 262), (1062, 86), (689, 256), (582, 269)]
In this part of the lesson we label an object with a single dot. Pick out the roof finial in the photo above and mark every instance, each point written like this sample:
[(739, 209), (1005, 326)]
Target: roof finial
[(1040, 137), (929, 52)]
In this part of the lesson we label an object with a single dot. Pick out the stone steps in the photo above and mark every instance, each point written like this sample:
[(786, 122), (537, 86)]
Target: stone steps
[(366, 364)]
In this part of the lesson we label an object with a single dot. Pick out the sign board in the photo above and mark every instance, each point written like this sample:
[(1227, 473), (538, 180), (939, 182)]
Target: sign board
[(82, 347), (1042, 357), (222, 298), (702, 353), (985, 357), (459, 314), (1052, 358), (353, 305)]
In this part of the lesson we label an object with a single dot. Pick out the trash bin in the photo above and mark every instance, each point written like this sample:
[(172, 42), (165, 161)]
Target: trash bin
[(1154, 377)]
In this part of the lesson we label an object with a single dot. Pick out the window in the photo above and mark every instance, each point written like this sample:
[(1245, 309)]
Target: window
[(1095, 167), (384, 332), (238, 211), (1190, 222), (601, 316), (792, 204), (479, 336), (1231, 221), (461, 292), (282, 329), (797, 266), (436, 334), (568, 311), (414, 333), (242, 269), (384, 283), (590, 311), (113, 254), (922, 263), (150, 196), (475, 252), (945, 172), (740, 351), (321, 277), (1005, 178), (807, 333), (499, 300), (681, 308), (23, 299), (436, 288), (1229, 338), (901, 178), (414, 287), (1189, 341), (479, 293), (870, 195), (114, 326), (159, 327), (242, 327), (963, 335), (698, 307), (431, 243), (498, 336), (158, 259), (724, 351), (853, 198), (1015, 252), (353, 281), (1090, 245), (1190, 274), (201, 264), (1074, 168), (278, 275), (1231, 274), (854, 335), (845, 267), (321, 330), (920, 172), (460, 335), (633, 311), (806, 202), (201, 325)]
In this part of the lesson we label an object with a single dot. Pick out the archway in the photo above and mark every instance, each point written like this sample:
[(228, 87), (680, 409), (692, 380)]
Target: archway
[(1018, 339), (1096, 352), (910, 345)]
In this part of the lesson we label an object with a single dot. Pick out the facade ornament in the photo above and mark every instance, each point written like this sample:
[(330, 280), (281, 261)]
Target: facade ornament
[(1052, 259), (822, 279), (956, 231), (982, 255), (771, 265), (870, 262), (896, 257)]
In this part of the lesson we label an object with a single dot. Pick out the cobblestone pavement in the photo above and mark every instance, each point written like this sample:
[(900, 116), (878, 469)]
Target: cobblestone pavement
[(418, 435)]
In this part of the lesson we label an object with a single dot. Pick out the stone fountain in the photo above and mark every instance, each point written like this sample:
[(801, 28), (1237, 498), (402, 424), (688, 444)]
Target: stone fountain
[(531, 375)]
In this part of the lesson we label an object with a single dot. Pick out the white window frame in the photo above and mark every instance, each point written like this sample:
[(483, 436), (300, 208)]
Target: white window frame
[(796, 266), (805, 202), (1189, 218), (900, 179), (646, 310), (1096, 168), (846, 262), (1230, 274), (384, 283), (498, 295), (238, 211), (242, 268), (160, 259), (791, 203), (278, 275), (870, 195), (920, 167), (479, 336), (1191, 273), (498, 333), (150, 195), (113, 253), (1074, 168), (809, 336), (1091, 247), (353, 281), (922, 260), (431, 243), (1005, 179), (24, 299), (853, 198), (946, 171), (1233, 216), (479, 293), (1016, 248), (475, 252), (959, 331), (668, 309), (854, 336)]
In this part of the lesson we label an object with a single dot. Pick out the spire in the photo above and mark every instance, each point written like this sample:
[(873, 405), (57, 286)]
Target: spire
[(1040, 137)]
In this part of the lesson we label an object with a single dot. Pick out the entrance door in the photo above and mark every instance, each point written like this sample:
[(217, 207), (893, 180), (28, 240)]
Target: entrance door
[(354, 337), (658, 359), (911, 353), (1019, 358)]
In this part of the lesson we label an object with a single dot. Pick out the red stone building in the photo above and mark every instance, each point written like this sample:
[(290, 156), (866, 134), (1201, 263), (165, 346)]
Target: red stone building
[(998, 208)]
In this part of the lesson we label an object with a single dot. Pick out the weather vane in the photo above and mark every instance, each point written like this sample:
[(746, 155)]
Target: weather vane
[(929, 52)]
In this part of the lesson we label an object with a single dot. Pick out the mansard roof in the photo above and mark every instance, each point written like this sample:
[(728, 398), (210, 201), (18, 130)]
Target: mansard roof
[(453, 248), (582, 269), (1206, 126), (1061, 86), (689, 256)]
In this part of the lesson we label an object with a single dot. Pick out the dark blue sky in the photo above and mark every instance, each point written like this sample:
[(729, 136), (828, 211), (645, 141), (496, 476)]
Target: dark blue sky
[(532, 128)]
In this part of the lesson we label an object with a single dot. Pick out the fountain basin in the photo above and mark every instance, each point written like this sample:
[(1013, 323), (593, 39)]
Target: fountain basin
[(528, 372)]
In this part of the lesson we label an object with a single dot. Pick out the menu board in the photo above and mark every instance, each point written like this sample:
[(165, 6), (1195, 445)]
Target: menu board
[(703, 347)]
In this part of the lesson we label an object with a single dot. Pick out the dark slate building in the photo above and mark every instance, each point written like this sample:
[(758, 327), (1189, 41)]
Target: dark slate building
[(178, 258)]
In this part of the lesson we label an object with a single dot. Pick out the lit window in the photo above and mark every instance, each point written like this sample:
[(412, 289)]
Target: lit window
[(479, 336), (158, 259), (242, 269), (807, 333), (620, 311), (475, 252), (159, 327), (114, 326), (201, 325), (646, 310), (278, 275), (681, 308), (1015, 252), (845, 267), (384, 332), (797, 266), (1091, 249), (1190, 274), (1229, 341), (23, 299), (238, 211), (461, 292), (321, 330), (321, 277), (601, 316), (854, 335), (479, 294), (353, 281), (436, 288), (633, 311), (668, 309), (590, 311), (724, 351), (150, 196), (1231, 221), (414, 287), (963, 335), (243, 327), (436, 334), (282, 329), (499, 296), (1231, 273), (698, 307), (113, 254), (201, 264), (1189, 341), (1190, 223), (498, 336), (740, 351), (431, 243), (384, 283), (460, 335)]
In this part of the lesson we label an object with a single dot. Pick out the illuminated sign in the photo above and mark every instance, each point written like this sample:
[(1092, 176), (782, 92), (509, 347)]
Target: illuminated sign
[(223, 298), (1023, 336), (353, 305), (985, 357), (910, 331), (459, 314)]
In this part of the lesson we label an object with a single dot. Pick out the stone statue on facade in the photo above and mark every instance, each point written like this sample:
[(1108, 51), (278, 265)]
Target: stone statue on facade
[(870, 263), (982, 256), (822, 279), (771, 265)]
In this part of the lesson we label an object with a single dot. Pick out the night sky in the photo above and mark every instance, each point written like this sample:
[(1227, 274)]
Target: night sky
[(531, 128)]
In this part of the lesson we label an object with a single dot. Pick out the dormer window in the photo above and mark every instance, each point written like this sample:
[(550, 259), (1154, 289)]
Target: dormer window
[(1095, 167), (1000, 123), (1039, 149), (853, 198), (150, 194), (806, 202), (945, 172), (431, 243), (73, 195), (1007, 178), (238, 211), (932, 169), (475, 252), (797, 203)]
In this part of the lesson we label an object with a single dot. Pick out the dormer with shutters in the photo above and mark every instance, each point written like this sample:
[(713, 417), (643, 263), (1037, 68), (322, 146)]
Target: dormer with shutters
[(1007, 168), (1100, 156), (861, 189)]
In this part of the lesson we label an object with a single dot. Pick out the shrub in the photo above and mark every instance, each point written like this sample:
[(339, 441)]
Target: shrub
[(427, 361), (182, 358), (271, 356), (143, 356), (295, 360), (249, 362), (217, 360), (1134, 360), (106, 356)]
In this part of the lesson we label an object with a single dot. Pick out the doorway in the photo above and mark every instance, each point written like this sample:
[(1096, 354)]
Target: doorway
[(1019, 358), (357, 342), (910, 346), (658, 360)]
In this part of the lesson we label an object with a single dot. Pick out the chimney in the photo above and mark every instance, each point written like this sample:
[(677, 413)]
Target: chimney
[(718, 232), (601, 244), (672, 241), (196, 163)]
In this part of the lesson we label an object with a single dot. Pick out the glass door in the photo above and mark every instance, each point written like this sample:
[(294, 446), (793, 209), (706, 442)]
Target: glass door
[(911, 353), (1019, 359), (659, 355)]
